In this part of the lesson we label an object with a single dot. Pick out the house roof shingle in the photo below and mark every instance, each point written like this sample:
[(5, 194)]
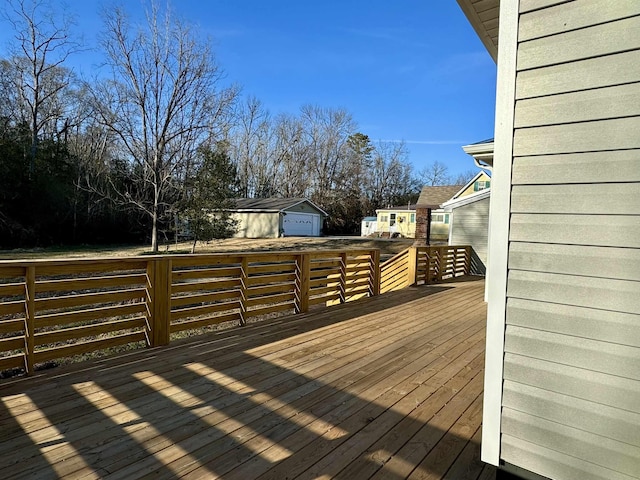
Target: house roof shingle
[(408, 207), (433, 197), (271, 204)]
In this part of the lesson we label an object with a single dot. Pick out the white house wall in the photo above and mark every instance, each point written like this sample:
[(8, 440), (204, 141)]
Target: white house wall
[(570, 400)]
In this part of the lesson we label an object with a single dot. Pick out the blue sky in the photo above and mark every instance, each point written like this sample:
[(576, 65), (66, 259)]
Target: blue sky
[(409, 70)]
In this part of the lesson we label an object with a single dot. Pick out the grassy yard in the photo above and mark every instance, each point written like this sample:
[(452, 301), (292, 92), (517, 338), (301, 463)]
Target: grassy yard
[(388, 247)]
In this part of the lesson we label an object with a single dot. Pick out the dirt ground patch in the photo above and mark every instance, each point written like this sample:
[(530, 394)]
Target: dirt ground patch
[(388, 247)]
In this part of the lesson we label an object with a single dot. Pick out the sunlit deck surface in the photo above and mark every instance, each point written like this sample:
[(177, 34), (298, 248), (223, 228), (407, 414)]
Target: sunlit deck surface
[(388, 387)]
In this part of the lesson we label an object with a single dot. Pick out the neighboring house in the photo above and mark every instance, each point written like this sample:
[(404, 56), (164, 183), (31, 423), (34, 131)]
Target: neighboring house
[(481, 181), (562, 381), (369, 226), (406, 221), (430, 205), (275, 217), (397, 221)]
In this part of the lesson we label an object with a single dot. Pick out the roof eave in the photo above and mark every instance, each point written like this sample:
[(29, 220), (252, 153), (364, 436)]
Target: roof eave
[(458, 202), (479, 26), (482, 152)]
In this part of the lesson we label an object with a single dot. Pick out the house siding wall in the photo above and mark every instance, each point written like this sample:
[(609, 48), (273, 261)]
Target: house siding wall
[(470, 226), (257, 225), (571, 394)]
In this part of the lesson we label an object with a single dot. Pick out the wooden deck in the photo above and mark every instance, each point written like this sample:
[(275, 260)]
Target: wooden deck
[(388, 387)]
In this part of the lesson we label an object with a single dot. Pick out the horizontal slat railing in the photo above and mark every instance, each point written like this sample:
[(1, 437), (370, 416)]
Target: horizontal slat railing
[(424, 266), (54, 309), (437, 263), (394, 273)]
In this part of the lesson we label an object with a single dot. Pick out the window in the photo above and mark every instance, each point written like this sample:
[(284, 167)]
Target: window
[(440, 218), (384, 218), (481, 185), (392, 220), (412, 218)]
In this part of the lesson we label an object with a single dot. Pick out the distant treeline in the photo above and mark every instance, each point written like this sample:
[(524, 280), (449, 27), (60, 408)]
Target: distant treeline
[(123, 157)]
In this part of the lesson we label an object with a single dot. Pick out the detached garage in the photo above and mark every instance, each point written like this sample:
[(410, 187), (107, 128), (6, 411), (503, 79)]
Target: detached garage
[(276, 217)]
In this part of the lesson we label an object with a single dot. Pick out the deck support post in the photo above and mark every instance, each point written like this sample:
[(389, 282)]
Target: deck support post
[(412, 266), (303, 274)]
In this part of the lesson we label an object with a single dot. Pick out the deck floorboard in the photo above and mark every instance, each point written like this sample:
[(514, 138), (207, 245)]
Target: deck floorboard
[(387, 387)]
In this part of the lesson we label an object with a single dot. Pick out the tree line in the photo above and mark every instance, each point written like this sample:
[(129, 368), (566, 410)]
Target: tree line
[(157, 138)]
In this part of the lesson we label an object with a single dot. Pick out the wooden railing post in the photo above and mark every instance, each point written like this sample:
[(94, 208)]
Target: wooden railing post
[(376, 274), (441, 262), (412, 266), (244, 287), (30, 318), (303, 276), (467, 259), (159, 278), (429, 258)]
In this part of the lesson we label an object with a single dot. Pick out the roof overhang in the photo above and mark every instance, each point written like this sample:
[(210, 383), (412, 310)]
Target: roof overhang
[(484, 18), (482, 153), (459, 202)]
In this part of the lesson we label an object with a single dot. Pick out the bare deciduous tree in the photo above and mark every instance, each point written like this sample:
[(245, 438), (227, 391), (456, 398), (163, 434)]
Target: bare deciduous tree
[(43, 44), (163, 101), (464, 177), (327, 132), (436, 173)]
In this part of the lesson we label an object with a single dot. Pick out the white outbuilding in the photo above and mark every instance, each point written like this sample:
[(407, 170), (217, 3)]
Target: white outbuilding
[(277, 217)]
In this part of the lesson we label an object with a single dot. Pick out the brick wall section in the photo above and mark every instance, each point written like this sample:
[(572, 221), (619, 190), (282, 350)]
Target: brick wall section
[(422, 224)]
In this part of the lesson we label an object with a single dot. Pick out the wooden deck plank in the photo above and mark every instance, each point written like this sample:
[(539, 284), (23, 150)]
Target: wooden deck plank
[(391, 441), (115, 401), (158, 364), (298, 438), (348, 369), (468, 465), (352, 391), (367, 425), (150, 401)]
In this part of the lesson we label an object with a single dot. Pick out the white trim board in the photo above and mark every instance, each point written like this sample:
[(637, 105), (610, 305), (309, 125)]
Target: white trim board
[(499, 231)]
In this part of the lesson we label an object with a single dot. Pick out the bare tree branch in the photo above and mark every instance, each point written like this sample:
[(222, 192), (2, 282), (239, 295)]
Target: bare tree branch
[(162, 102)]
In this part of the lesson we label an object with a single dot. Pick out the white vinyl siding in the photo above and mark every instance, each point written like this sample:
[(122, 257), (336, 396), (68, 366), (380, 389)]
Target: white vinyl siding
[(571, 373)]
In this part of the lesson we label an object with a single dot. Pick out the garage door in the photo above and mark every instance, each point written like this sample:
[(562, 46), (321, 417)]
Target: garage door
[(301, 224)]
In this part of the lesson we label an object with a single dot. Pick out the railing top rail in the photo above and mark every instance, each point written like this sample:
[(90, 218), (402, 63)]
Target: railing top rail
[(137, 259)]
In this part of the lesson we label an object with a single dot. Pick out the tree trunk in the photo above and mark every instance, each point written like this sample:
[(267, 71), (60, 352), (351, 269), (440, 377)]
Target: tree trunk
[(154, 230)]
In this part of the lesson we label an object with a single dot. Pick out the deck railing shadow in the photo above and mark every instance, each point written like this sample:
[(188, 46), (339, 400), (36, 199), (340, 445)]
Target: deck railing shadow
[(259, 403)]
